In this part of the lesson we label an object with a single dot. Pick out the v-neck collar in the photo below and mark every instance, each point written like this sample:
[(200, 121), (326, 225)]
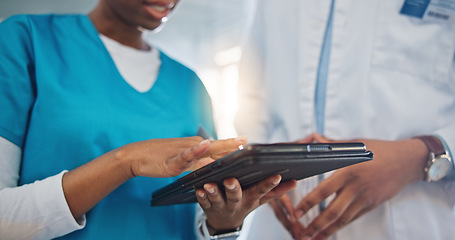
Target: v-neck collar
[(119, 79)]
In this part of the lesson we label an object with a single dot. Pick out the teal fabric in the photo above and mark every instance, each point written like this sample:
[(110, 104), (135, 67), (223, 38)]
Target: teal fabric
[(64, 103)]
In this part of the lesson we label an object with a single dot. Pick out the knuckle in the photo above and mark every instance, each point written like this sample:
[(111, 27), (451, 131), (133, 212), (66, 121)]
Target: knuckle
[(307, 205), (250, 204), (351, 175), (204, 203), (234, 200), (342, 221), (315, 228), (323, 193), (187, 154), (262, 190), (325, 234), (217, 204), (331, 215), (369, 202)]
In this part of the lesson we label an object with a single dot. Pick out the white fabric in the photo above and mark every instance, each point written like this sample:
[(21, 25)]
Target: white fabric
[(138, 68), (32, 211), (36, 211), (39, 210), (10, 161), (390, 77), (202, 231)]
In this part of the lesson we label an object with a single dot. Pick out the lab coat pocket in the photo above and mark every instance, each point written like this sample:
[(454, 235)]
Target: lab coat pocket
[(422, 49)]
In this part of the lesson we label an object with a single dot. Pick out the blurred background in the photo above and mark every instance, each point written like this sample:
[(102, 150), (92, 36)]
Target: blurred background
[(205, 35)]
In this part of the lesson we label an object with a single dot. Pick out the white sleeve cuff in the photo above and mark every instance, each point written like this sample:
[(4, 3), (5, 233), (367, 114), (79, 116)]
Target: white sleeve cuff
[(36, 211), (200, 227), (202, 232)]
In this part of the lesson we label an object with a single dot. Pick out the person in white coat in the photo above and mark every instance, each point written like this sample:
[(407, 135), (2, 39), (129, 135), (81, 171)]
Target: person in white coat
[(379, 72)]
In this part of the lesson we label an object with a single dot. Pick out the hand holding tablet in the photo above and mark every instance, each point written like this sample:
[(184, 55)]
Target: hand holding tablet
[(259, 161)]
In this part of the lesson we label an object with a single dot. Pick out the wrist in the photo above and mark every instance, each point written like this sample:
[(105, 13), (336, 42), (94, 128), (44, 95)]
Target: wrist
[(216, 231), (438, 162), (213, 234), (421, 157), (125, 162)]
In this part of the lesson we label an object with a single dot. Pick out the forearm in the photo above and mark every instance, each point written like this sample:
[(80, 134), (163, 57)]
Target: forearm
[(415, 154), (88, 184), (49, 207)]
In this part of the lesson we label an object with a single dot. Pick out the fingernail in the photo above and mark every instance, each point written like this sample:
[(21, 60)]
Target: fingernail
[(277, 181), (206, 141), (299, 214), (201, 194), (306, 238), (230, 186), (210, 190)]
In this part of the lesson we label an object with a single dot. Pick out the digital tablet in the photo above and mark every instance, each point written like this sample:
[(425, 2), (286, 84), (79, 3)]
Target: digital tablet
[(258, 161)]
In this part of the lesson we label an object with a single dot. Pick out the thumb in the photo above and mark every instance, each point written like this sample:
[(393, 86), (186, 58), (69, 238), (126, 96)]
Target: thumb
[(188, 157), (201, 163)]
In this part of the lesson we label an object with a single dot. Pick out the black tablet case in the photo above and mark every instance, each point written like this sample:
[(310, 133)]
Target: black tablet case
[(259, 161)]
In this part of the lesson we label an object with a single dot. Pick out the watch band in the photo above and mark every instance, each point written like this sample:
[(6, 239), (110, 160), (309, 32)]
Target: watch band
[(226, 236), (232, 234), (435, 149), (433, 144)]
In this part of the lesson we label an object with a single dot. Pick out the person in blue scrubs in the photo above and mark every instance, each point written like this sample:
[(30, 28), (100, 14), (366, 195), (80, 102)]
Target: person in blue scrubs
[(81, 150)]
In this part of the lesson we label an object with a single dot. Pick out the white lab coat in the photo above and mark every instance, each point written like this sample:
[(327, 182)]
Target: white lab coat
[(391, 77)]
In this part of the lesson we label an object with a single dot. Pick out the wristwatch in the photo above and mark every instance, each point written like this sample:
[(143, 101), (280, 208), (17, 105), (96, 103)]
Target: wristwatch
[(232, 234), (226, 236), (439, 163)]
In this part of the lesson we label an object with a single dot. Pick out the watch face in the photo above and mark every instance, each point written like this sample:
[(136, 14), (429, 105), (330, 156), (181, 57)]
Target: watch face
[(439, 169)]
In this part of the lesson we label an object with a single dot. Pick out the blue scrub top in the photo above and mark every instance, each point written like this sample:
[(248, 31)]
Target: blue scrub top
[(64, 103)]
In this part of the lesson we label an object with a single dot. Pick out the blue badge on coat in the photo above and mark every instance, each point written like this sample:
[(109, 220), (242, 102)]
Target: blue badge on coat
[(430, 10), (415, 8)]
